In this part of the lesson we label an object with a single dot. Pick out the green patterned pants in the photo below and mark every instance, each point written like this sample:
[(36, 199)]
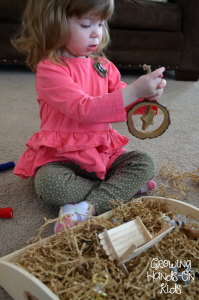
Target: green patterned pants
[(59, 183)]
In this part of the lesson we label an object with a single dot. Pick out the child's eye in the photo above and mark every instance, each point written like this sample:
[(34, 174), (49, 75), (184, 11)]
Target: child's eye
[(85, 26)]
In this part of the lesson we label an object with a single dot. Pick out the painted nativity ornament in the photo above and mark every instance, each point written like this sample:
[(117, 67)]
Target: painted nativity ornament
[(147, 118)]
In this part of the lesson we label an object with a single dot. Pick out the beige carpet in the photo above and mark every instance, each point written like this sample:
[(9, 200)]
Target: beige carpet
[(19, 119)]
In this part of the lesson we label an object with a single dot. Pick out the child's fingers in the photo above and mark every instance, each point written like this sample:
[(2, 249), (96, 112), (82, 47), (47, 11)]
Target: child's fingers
[(156, 95), (162, 84), (155, 74), (151, 98)]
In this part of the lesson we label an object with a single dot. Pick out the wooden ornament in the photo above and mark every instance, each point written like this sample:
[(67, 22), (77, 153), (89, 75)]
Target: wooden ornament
[(148, 119)]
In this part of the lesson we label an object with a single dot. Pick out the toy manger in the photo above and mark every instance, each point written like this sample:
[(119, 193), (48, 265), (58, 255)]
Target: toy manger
[(126, 241), (18, 282)]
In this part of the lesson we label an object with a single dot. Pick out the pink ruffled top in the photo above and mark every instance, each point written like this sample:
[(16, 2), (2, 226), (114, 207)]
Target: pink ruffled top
[(77, 107)]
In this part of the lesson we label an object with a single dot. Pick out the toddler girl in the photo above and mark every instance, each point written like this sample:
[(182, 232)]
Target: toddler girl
[(77, 158)]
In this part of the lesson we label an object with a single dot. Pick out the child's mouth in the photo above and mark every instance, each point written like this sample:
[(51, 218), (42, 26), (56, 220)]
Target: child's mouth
[(92, 47)]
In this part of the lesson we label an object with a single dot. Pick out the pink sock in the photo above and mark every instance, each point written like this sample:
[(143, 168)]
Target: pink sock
[(150, 185)]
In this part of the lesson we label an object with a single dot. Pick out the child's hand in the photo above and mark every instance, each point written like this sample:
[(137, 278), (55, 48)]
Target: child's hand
[(150, 86)]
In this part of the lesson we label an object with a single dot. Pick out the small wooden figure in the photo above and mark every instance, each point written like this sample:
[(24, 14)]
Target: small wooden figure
[(190, 232), (126, 241), (147, 118)]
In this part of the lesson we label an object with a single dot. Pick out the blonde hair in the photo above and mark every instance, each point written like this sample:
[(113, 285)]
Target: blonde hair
[(44, 27)]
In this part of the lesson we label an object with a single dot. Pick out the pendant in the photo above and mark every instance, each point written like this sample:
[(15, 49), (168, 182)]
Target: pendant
[(100, 70)]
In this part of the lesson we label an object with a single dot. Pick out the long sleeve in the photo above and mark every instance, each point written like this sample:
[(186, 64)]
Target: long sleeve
[(114, 78)]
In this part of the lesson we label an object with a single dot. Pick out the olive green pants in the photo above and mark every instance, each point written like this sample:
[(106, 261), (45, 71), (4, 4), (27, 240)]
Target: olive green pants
[(59, 183)]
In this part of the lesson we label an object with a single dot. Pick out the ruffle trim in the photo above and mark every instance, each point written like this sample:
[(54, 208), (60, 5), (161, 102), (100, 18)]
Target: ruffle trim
[(105, 141), (93, 151)]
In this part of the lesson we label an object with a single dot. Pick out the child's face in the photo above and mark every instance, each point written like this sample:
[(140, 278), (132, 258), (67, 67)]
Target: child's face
[(85, 34)]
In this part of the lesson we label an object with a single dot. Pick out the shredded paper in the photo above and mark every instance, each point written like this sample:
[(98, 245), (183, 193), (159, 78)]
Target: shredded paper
[(67, 262)]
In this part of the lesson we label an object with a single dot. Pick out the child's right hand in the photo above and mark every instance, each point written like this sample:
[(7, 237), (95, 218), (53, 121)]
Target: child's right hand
[(148, 86)]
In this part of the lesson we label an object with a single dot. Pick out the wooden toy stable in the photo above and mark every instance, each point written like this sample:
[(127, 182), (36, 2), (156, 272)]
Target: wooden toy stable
[(18, 282)]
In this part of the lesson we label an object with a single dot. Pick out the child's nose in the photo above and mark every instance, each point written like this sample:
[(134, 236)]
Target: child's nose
[(95, 33)]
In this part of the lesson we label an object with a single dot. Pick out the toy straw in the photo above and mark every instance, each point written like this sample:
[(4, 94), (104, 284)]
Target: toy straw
[(6, 166), (6, 212)]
